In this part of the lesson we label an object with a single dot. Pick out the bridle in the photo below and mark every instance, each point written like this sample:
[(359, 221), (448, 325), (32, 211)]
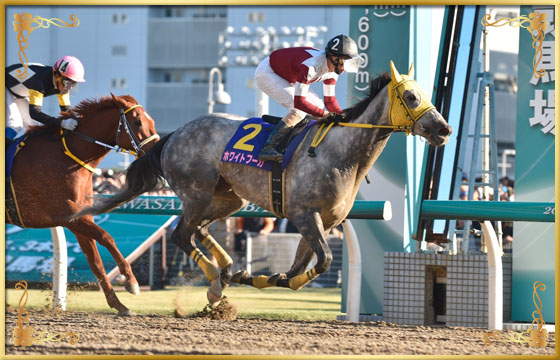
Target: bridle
[(401, 116), (136, 143), (123, 124)]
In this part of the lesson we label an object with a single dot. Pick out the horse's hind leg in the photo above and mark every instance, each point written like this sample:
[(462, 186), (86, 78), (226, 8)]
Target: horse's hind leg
[(87, 227), (89, 248), (222, 257), (183, 237), (219, 208)]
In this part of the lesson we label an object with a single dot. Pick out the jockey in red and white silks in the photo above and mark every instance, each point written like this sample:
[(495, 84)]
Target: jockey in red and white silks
[(286, 75)]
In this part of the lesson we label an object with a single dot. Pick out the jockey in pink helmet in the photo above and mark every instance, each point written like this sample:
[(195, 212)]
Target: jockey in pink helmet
[(70, 68), (24, 96)]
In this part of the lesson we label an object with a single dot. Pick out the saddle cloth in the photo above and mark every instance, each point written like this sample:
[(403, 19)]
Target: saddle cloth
[(12, 213), (11, 152), (251, 135)]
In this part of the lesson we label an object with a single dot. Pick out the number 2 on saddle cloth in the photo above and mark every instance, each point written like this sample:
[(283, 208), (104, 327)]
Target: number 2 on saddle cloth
[(245, 145)]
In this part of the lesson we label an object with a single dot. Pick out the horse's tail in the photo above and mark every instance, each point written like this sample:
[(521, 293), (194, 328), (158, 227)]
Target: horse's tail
[(144, 174)]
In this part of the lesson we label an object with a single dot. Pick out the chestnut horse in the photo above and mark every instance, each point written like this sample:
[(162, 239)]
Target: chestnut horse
[(51, 178)]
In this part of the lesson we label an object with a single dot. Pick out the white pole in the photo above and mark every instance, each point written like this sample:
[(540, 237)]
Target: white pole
[(60, 272), (211, 101), (486, 121), (354, 273), (495, 278), (151, 267), (248, 252)]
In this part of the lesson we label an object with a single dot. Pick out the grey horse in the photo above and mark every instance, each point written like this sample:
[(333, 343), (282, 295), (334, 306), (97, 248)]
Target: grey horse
[(318, 191)]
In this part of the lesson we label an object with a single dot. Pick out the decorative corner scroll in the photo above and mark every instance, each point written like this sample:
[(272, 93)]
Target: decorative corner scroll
[(24, 24), (24, 335), (535, 23), (534, 336)]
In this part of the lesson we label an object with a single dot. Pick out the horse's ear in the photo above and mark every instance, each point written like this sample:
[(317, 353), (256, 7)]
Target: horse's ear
[(411, 71), (118, 101), (395, 76)]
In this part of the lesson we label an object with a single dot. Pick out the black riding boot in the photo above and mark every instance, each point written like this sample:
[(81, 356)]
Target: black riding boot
[(269, 150)]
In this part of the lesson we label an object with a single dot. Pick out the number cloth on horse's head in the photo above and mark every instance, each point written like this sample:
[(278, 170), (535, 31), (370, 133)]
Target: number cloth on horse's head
[(403, 114)]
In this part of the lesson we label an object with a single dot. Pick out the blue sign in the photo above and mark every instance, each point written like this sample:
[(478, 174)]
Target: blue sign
[(29, 252)]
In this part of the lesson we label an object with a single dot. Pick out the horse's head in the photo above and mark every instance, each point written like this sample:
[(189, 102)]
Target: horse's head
[(412, 109), (136, 130)]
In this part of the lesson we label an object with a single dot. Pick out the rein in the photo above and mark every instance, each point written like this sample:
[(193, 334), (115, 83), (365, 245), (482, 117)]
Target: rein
[(402, 118), (123, 123)]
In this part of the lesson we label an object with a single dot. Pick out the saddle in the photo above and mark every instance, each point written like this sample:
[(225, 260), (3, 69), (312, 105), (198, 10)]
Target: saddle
[(293, 132)]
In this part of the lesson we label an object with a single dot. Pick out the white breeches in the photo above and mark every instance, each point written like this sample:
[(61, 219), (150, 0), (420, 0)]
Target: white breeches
[(17, 113), (279, 89)]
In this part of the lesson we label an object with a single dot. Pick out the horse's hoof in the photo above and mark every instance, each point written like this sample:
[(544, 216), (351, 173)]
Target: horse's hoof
[(213, 299), (214, 293), (134, 289), (125, 312)]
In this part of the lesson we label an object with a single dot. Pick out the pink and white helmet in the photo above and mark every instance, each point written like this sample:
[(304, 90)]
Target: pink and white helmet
[(71, 68)]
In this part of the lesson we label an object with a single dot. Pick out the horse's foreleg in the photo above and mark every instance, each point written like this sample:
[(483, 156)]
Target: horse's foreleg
[(304, 254), (89, 248), (86, 226), (311, 228)]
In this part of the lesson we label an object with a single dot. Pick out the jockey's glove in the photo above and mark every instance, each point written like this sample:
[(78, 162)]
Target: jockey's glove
[(69, 124), (333, 118)]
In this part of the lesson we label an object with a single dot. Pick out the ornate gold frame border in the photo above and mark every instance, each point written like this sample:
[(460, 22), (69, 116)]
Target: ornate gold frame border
[(535, 23), (534, 336), (24, 24), (25, 335)]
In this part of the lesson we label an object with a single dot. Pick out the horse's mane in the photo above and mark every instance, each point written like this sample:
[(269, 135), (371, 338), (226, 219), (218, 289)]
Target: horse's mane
[(376, 85), (95, 105)]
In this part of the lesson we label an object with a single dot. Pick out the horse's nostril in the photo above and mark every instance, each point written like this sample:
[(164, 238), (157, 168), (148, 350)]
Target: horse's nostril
[(444, 131)]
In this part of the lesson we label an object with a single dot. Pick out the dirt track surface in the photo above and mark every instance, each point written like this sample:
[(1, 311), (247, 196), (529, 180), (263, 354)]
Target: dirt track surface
[(107, 334)]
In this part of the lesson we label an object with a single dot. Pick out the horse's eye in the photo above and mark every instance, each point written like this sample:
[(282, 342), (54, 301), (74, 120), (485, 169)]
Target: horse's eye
[(412, 98), (138, 122)]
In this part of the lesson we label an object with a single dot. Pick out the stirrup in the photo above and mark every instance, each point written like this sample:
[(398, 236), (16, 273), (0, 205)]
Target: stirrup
[(272, 155)]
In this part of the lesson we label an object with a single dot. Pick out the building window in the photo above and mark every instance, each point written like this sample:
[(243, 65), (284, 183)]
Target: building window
[(173, 11), (120, 18), (119, 50), (119, 83), (256, 17), (505, 83)]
